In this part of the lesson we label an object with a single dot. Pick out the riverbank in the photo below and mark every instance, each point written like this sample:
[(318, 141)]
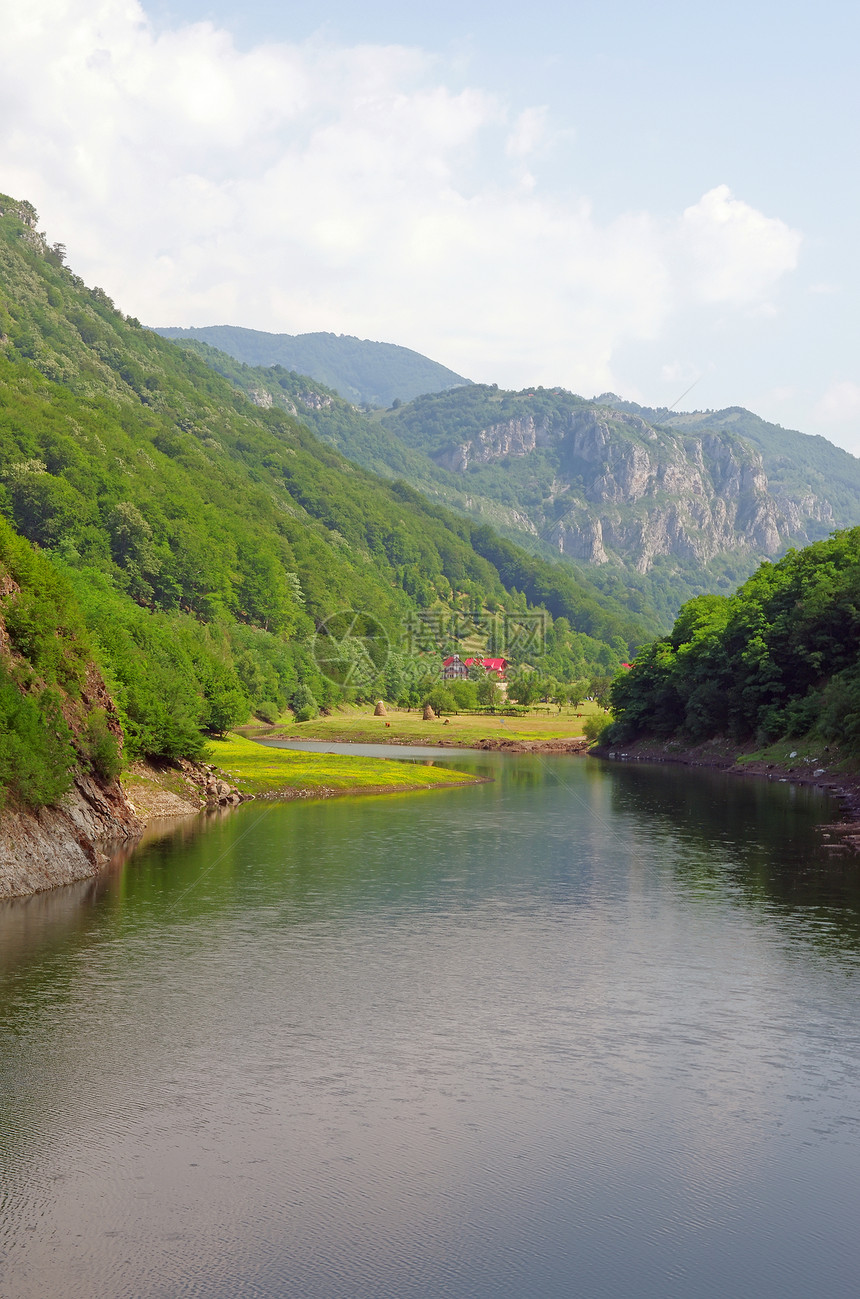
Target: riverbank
[(533, 732), (797, 762), (262, 772), (240, 769), (64, 845)]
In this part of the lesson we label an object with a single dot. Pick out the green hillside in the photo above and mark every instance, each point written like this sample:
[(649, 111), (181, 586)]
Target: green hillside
[(206, 538), (779, 658), (365, 438), (358, 435), (53, 719), (365, 372)]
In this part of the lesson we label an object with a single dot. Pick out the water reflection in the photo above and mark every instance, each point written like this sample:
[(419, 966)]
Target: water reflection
[(581, 1030), (748, 839)]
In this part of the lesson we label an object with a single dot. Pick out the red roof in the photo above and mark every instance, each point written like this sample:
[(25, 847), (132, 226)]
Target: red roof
[(492, 665)]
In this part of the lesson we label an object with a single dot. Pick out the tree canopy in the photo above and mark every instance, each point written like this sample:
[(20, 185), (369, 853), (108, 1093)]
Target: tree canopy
[(780, 657)]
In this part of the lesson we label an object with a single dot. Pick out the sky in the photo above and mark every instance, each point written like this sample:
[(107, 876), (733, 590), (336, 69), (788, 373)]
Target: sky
[(627, 197)]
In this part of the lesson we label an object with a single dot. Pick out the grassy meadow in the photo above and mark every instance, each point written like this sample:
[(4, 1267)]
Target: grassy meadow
[(359, 726), (260, 770)]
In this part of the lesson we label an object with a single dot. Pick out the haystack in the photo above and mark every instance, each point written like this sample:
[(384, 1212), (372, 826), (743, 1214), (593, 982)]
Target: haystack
[(379, 710), (429, 715)]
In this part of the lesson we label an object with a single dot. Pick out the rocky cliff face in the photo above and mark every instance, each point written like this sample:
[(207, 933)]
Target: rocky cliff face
[(59, 845), (622, 488), (515, 437)]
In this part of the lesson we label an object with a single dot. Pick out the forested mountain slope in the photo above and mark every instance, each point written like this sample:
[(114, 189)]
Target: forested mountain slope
[(207, 538), (656, 504), (362, 371)]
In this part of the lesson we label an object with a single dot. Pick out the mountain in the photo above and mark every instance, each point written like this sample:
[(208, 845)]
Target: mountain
[(690, 502), (207, 540), (599, 480), (800, 467), (651, 506), (364, 372), (364, 438)]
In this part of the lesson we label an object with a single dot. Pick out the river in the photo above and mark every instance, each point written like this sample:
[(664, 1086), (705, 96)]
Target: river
[(590, 1029)]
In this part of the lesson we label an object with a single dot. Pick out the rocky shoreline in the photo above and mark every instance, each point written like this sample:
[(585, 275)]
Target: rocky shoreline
[(53, 846), (574, 744), (178, 789), (571, 744), (61, 845)]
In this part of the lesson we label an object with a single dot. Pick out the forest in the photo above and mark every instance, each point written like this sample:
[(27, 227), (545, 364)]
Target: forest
[(779, 658)]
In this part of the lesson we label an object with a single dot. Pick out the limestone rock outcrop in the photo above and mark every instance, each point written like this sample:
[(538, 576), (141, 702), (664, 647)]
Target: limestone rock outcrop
[(626, 490)]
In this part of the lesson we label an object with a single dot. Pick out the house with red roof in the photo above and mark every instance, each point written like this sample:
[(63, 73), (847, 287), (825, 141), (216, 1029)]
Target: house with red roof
[(456, 669)]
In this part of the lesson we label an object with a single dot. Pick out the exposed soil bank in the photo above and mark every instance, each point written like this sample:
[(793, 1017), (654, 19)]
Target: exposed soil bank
[(180, 789), (826, 771), (494, 743), (575, 744)]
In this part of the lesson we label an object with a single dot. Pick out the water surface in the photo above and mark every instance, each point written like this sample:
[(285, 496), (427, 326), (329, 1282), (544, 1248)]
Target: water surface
[(586, 1030)]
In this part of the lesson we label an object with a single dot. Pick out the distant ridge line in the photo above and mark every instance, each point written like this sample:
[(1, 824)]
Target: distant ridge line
[(363, 371)]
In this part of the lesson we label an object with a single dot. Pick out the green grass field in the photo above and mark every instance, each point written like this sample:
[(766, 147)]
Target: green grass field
[(360, 726), (257, 769)]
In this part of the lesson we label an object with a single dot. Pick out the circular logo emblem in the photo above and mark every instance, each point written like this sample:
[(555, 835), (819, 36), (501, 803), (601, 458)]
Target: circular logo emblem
[(351, 648)]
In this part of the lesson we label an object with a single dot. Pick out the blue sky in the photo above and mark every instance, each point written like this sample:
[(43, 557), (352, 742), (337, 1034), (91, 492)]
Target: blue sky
[(621, 196)]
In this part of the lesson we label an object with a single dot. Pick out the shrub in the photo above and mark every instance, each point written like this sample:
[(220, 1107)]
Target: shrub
[(267, 711), (304, 705), (465, 694), (99, 746), (441, 700), (595, 727), (36, 753)]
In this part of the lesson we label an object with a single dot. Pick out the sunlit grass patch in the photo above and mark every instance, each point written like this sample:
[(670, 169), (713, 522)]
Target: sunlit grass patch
[(360, 726), (258, 769)]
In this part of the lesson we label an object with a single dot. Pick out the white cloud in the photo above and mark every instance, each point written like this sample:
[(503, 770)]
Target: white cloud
[(677, 372), (302, 187), (736, 254), (763, 311), (782, 394)]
